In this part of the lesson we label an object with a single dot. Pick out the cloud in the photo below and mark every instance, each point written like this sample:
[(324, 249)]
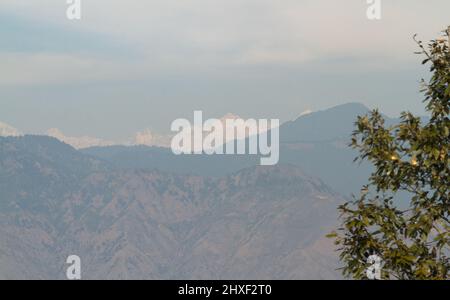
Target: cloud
[(42, 68), (256, 57), (201, 33)]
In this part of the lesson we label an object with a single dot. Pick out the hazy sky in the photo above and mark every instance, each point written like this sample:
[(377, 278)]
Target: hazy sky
[(135, 64)]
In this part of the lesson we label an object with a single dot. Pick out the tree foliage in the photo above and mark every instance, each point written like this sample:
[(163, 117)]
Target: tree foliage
[(411, 157)]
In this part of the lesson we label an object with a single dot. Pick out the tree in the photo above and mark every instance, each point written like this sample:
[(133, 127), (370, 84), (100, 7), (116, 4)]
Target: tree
[(411, 157)]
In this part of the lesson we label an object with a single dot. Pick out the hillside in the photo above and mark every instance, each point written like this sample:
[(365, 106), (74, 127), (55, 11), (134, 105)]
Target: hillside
[(257, 223)]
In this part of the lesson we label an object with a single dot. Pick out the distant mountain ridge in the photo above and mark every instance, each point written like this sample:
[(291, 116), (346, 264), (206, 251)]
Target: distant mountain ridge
[(258, 223), (325, 125), (316, 142), (134, 212)]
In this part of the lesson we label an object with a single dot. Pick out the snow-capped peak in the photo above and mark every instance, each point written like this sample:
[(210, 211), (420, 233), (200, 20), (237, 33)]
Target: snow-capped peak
[(8, 130)]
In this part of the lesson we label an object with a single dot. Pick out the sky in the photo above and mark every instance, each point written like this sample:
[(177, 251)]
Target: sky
[(131, 65)]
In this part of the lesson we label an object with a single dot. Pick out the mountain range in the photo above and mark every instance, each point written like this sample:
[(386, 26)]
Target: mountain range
[(316, 142), (257, 223), (141, 212)]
